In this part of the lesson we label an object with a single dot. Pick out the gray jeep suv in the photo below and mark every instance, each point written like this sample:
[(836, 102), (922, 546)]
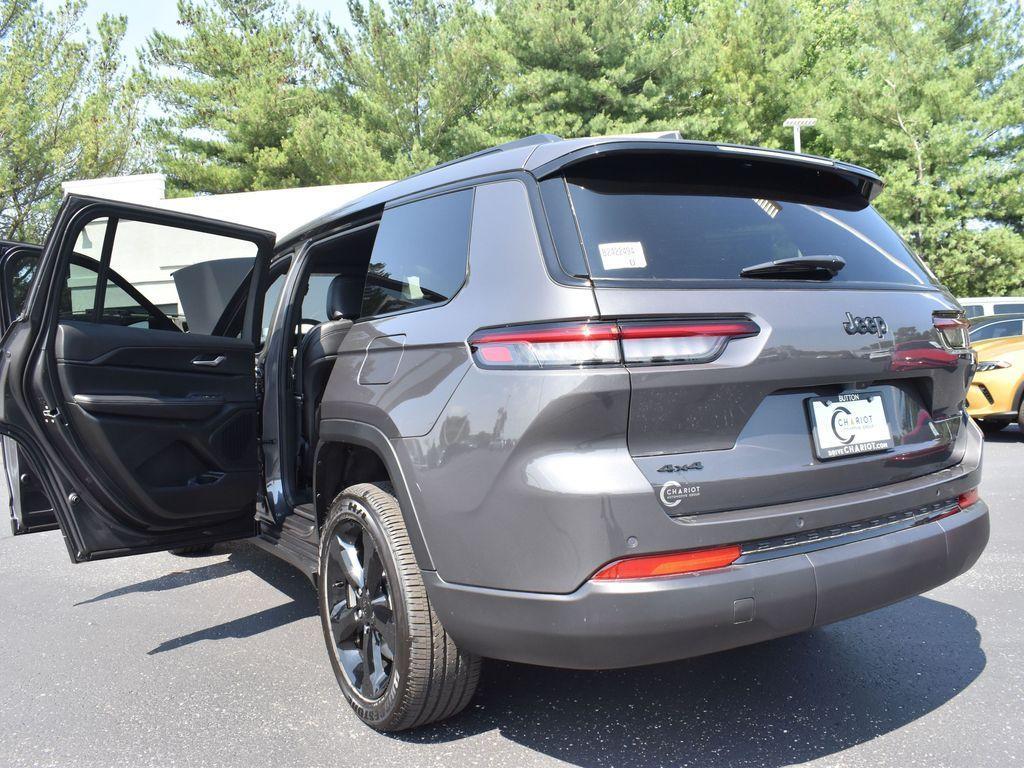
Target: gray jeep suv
[(588, 403)]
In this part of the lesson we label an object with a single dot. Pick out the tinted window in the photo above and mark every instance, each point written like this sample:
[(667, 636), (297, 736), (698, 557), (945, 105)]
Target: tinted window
[(419, 257), (170, 276), (974, 310), (664, 218), (314, 303), (189, 275), (20, 270), (998, 330), (270, 300), (1006, 309), (78, 299)]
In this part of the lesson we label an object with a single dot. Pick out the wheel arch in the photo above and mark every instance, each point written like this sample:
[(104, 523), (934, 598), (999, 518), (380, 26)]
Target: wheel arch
[(1018, 396), (350, 452)]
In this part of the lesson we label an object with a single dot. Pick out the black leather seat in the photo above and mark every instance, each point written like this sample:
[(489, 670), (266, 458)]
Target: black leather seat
[(315, 358)]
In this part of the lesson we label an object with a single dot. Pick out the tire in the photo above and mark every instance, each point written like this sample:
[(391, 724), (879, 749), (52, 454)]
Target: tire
[(428, 678), (990, 427), (192, 551)]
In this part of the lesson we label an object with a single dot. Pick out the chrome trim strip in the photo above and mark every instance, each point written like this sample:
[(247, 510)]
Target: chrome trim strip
[(845, 533)]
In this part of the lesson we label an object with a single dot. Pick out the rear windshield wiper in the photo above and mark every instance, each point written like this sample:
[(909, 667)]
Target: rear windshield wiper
[(796, 268)]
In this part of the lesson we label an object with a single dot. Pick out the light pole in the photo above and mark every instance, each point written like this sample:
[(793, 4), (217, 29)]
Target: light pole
[(796, 123)]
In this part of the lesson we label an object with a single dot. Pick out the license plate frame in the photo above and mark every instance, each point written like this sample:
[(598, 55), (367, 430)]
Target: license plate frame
[(849, 424)]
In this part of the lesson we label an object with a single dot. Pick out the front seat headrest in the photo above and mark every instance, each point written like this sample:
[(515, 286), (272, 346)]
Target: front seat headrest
[(344, 297)]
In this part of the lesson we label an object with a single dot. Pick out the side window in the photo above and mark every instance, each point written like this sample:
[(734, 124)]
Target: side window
[(314, 303), (78, 301), (974, 310), (1006, 329), (120, 308), (420, 255), (985, 332), (1006, 309), (1000, 330), (270, 301), (154, 275), (19, 273)]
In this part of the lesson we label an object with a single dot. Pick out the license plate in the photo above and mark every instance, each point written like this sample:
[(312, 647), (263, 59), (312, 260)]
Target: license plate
[(849, 424)]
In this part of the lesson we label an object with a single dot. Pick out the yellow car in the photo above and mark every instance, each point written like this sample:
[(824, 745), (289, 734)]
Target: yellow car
[(994, 399)]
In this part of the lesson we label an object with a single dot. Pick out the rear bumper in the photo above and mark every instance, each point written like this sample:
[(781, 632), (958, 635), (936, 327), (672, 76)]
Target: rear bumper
[(604, 625)]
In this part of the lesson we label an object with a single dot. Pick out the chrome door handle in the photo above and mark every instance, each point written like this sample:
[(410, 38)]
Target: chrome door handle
[(209, 363)]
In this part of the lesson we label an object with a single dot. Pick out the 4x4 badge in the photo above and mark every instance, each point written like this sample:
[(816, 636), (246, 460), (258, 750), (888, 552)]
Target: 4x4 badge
[(873, 325), (681, 467)]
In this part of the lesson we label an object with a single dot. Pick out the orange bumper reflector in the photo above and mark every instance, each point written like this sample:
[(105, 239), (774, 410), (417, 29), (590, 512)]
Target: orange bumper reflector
[(671, 564)]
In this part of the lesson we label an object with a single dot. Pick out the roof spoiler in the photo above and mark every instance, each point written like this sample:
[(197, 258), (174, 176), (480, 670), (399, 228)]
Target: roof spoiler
[(868, 183)]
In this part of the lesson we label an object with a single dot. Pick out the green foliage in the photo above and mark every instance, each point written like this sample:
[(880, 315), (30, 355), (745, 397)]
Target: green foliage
[(254, 94), (415, 76), (582, 68), (228, 93), (68, 109), (930, 94)]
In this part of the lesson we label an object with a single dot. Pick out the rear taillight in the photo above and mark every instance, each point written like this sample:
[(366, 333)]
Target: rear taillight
[(566, 345), (572, 345), (690, 342), (673, 564), (954, 331), (967, 499), (963, 501)]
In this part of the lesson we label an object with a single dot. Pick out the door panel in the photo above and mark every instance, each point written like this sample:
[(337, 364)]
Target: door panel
[(30, 509), (177, 436), (145, 438)]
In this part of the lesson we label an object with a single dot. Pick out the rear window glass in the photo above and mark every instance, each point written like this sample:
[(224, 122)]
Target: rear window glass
[(662, 218)]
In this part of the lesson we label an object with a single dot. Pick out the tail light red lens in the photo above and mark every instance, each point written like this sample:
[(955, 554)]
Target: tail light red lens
[(571, 345), (654, 343), (963, 501), (548, 346), (954, 330), (647, 566), (968, 499)]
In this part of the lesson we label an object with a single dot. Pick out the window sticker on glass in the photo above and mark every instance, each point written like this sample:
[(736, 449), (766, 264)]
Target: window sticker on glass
[(413, 289), (622, 255)]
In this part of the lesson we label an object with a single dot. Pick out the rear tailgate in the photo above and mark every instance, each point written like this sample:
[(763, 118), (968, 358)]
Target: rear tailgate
[(737, 432), (665, 235)]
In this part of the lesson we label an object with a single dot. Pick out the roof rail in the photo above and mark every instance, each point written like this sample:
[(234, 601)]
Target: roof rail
[(528, 141)]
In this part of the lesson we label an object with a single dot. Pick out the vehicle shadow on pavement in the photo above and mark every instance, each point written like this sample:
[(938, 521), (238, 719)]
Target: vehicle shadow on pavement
[(173, 580), (277, 573), (1011, 434), (242, 557), (774, 704), (782, 702)]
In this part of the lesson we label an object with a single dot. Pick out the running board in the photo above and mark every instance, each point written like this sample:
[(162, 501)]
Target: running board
[(296, 540)]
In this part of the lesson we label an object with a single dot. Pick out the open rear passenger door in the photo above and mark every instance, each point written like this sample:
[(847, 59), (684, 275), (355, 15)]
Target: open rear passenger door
[(143, 432)]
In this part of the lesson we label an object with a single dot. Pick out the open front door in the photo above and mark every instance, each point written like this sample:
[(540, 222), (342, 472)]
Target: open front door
[(141, 426)]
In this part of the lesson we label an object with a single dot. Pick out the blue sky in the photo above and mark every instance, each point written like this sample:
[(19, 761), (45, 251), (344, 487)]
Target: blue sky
[(145, 15)]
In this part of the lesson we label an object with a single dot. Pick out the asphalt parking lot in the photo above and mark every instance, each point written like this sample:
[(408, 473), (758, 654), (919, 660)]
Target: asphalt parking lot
[(218, 661)]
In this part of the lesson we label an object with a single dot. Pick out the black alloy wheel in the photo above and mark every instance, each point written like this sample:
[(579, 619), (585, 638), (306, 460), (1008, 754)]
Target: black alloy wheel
[(395, 663), (361, 615)]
